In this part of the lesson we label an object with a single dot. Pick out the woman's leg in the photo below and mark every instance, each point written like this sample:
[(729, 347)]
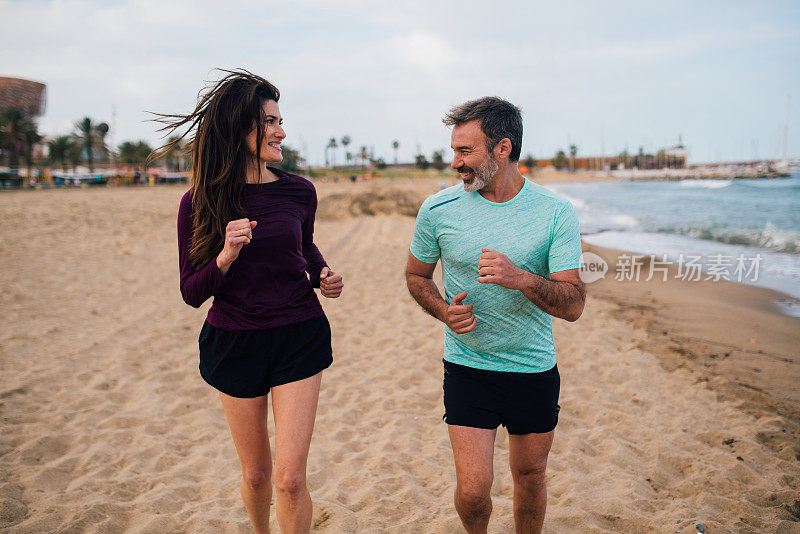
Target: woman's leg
[(247, 419), (294, 406)]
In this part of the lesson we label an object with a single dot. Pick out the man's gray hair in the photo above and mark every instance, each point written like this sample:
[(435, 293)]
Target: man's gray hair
[(499, 118)]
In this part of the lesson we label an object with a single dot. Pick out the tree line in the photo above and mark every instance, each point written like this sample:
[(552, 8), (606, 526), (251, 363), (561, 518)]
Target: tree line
[(87, 145)]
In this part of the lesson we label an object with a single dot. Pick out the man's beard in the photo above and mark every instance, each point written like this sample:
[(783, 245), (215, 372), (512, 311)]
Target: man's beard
[(483, 174)]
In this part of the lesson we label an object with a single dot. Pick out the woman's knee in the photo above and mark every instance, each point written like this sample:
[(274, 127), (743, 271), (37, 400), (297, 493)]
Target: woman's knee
[(290, 481), (256, 478)]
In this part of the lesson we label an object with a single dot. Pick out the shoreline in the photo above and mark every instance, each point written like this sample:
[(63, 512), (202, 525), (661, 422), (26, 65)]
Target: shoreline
[(786, 296), (732, 336)]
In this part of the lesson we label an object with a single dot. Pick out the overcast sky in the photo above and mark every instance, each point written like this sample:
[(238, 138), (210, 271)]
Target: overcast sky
[(602, 75)]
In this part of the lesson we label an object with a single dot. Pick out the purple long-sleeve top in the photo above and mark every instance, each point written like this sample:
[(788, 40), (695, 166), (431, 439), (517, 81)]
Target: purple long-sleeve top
[(267, 285)]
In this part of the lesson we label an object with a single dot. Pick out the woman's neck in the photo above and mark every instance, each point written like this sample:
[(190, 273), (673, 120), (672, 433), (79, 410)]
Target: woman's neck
[(252, 175)]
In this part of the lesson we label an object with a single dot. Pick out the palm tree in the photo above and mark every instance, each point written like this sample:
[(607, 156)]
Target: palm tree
[(91, 135), (438, 160), (59, 150), (134, 153), (173, 156), (560, 161), (363, 154), (345, 141), (530, 162), (30, 136), (573, 151), (13, 125), (74, 152), (331, 145), (395, 146)]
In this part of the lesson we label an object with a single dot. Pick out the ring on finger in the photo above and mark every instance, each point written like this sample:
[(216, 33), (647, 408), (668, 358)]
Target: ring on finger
[(241, 231)]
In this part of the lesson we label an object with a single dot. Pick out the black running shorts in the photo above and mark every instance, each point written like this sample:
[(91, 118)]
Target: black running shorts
[(525, 403), (248, 363)]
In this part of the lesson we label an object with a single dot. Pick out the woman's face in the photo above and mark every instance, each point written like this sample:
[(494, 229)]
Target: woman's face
[(273, 135)]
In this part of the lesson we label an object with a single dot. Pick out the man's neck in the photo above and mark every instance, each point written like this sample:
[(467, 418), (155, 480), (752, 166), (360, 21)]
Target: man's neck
[(504, 186)]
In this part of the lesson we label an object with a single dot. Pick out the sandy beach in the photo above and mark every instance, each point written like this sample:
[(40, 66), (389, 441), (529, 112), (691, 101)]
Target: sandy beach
[(679, 401)]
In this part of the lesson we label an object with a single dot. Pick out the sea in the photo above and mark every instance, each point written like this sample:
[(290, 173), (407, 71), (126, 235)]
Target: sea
[(743, 230)]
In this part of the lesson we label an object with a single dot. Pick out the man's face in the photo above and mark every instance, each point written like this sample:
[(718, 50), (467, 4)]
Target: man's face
[(471, 159)]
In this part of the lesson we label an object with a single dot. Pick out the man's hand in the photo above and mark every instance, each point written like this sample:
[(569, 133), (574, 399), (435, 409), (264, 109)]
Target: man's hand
[(459, 317), (496, 268), (330, 283)]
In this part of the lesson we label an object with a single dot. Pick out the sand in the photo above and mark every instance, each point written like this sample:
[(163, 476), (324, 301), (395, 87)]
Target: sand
[(107, 426)]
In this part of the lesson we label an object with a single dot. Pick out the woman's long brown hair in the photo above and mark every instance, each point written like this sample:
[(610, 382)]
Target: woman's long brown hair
[(226, 112)]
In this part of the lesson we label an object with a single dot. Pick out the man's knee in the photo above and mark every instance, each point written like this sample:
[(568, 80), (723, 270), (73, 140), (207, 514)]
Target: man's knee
[(474, 492), (290, 482), (255, 478), (531, 476)]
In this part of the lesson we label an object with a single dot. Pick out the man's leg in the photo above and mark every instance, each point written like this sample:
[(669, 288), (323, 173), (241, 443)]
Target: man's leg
[(473, 451), (528, 459), (294, 406)]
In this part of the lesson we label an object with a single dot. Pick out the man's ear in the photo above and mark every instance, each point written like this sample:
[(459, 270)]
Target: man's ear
[(503, 148)]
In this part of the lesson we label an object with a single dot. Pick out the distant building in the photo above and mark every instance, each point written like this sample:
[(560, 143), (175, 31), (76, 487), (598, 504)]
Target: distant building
[(675, 157), (26, 95), (678, 152)]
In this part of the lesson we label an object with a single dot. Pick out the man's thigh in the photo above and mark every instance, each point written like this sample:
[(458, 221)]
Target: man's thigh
[(473, 452), (527, 454)]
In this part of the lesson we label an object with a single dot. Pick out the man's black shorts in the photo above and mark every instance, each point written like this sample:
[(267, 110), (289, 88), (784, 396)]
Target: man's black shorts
[(248, 363), (524, 403)]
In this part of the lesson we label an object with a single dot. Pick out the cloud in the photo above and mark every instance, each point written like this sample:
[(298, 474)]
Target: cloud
[(378, 70), (427, 51)]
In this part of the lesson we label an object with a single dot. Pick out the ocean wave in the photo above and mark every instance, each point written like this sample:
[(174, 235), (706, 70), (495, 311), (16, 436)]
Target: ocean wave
[(594, 222), (576, 202), (706, 184), (769, 238)]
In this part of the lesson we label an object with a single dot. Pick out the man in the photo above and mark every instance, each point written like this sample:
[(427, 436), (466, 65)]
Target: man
[(510, 253)]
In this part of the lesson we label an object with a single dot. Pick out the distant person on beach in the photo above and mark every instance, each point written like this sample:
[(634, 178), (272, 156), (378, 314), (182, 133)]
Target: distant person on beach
[(510, 253), (245, 238)]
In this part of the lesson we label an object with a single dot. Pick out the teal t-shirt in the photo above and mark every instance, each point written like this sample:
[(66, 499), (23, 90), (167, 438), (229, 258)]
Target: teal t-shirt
[(539, 233)]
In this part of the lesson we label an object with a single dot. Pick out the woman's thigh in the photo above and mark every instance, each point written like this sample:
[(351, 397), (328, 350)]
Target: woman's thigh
[(294, 406), (247, 419)]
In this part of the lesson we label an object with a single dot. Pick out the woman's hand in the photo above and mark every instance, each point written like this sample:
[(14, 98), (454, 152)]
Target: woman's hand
[(330, 283), (237, 234)]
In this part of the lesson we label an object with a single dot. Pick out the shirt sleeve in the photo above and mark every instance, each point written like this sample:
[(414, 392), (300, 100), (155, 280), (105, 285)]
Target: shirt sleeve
[(565, 243), (424, 245), (314, 260), (196, 285)]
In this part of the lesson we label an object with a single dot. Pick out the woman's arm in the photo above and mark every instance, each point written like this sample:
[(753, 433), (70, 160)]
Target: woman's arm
[(196, 285), (314, 260)]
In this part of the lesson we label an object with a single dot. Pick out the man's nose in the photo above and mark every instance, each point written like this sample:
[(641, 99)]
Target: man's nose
[(456, 163)]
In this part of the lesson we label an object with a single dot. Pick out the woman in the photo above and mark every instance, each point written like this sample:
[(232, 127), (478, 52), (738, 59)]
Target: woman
[(245, 237)]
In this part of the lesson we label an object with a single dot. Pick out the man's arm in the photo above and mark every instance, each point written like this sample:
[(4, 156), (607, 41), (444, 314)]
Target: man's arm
[(419, 279), (562, 296)]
